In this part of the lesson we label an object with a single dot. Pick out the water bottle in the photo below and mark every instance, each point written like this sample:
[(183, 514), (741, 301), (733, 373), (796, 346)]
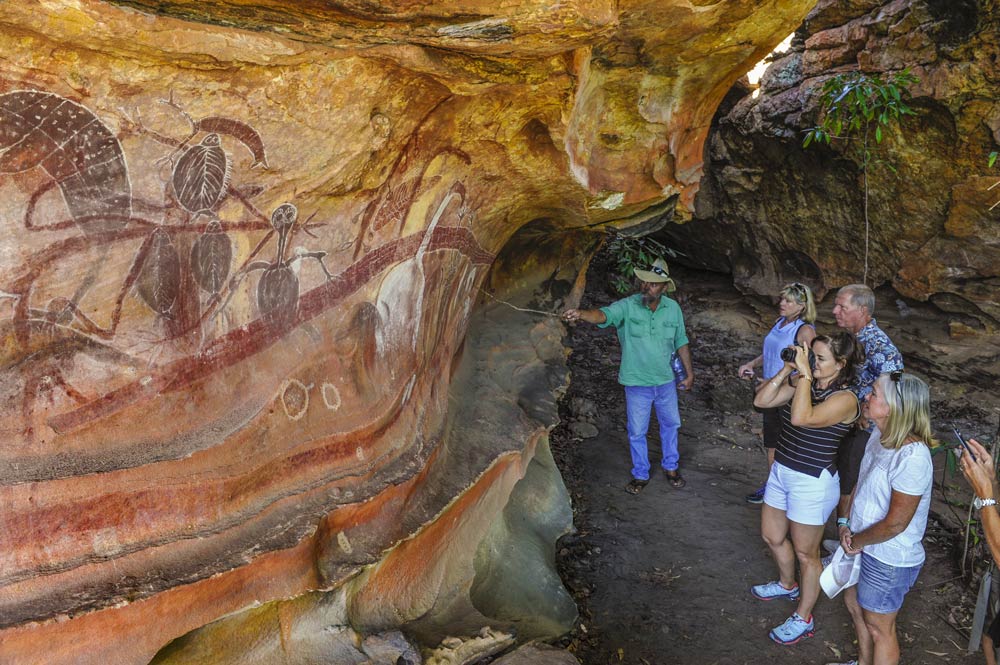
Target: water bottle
[(675, 364)]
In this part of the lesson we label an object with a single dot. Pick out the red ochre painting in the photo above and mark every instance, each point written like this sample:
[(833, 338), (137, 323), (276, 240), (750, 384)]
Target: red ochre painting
[(194, 380)]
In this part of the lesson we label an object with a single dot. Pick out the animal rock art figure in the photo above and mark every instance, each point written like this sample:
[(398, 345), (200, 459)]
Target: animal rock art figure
[(201, 176), (236, 129), (50, 351), (160, 276), (75, 149), (401, 295), (278, 288), (211, 258), (357, 346)]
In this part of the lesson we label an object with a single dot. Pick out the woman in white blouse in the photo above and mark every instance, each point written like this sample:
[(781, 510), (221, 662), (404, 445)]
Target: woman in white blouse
[(889, 512)]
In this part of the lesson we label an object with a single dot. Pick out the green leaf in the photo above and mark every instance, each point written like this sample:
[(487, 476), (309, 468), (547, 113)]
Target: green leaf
[(993, 158), (878, 134)]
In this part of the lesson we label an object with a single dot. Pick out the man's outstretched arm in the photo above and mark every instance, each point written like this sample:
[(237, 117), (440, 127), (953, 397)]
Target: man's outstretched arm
[(594, 316)]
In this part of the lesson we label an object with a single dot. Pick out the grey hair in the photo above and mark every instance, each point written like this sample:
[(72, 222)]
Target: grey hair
[(861, 296)]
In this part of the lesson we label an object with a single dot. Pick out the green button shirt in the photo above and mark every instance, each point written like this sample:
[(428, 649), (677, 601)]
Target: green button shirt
[(648, 339)]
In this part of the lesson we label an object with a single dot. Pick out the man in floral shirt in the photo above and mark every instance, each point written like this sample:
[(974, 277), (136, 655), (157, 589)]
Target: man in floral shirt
[(853, 309)]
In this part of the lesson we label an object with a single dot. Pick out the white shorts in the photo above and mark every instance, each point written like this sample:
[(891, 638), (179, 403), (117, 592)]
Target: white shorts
[(804, 499)]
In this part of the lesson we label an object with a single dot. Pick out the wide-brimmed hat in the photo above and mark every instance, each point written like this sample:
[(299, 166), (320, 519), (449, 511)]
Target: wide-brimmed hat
[(657, 274)]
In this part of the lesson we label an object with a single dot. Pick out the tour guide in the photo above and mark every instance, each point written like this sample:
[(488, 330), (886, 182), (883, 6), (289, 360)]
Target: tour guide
[(650, 328)]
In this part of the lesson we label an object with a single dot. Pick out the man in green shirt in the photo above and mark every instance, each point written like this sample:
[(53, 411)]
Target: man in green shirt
[(650, 328)]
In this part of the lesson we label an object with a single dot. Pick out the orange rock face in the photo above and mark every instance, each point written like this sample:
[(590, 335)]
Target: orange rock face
[(241, 249)]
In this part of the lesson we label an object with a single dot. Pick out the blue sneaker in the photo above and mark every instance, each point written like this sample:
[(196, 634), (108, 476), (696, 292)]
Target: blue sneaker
[(756, 497), (795, 629), (773, 590)]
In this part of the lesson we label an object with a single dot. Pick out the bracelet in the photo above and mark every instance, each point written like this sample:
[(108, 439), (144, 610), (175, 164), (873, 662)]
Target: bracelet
[(843, 521)]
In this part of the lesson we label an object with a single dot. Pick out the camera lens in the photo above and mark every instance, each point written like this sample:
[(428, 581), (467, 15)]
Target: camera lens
[(788, 354)]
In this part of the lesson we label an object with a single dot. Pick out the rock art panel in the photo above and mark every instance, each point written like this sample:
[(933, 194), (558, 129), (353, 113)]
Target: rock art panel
[(241, 253)]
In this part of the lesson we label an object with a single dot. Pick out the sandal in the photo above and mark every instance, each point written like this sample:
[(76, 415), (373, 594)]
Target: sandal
[(675, 478), (635, 485)]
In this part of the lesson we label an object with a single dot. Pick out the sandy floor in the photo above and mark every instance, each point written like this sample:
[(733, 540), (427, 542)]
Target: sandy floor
[(664, 577)]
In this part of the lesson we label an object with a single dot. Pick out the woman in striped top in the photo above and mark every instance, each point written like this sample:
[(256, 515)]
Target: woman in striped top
[(817, 411)]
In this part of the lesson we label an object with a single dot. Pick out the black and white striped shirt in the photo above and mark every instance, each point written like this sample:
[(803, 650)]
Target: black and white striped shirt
[(809, 450)]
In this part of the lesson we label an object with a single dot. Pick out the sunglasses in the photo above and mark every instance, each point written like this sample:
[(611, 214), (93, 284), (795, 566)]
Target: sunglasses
[(659, 271), (896, 377)]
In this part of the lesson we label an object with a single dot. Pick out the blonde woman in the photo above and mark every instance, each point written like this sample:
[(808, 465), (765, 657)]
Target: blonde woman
[(797, 314), (889, 509)]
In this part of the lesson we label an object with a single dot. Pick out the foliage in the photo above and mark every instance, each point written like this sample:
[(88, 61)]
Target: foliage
[(974, 550), (857, 102), (634, 252), (860, 107)]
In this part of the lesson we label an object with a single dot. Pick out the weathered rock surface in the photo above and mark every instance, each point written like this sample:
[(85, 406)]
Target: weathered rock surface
[(773, 212), (241, 246), (537, 654)]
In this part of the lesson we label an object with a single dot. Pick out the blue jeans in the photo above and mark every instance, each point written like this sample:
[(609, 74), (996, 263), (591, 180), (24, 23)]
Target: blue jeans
[(639, 401)]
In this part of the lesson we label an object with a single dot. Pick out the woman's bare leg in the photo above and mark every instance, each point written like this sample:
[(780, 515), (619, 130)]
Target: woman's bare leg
[(865, 646), (805, 541), (883, 631), (774, 530)]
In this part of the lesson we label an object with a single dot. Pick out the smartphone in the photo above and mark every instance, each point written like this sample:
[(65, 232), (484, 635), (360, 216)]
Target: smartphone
[(961, 440)]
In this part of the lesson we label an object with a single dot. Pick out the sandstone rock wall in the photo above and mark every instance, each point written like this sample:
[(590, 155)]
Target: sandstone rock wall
[(242, 245), (773, 212)]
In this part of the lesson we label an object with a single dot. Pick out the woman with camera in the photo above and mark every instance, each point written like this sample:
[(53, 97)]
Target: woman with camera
[(797, 312), (889, 512), (817, 410)]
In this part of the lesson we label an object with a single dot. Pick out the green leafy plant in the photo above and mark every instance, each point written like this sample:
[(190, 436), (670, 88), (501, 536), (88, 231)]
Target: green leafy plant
[(859, 108), (631, 252)]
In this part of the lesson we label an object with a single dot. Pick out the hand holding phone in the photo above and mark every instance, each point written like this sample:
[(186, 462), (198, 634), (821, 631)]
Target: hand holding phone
[(965, 445)]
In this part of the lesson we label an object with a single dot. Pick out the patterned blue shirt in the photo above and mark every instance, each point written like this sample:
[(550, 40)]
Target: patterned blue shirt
[(881, 356)]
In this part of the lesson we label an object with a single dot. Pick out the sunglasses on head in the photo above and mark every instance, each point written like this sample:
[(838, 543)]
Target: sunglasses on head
[(797, 287), (896, 377), (659, 271)]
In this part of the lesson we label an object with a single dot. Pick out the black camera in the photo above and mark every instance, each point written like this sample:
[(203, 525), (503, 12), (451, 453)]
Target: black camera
[(788, 355)]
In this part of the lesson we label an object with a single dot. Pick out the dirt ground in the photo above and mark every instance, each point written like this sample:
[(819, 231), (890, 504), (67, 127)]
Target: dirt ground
[(664, 577)]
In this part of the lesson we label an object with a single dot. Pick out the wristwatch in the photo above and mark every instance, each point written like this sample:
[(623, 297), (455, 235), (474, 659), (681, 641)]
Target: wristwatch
[(978, 503)]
